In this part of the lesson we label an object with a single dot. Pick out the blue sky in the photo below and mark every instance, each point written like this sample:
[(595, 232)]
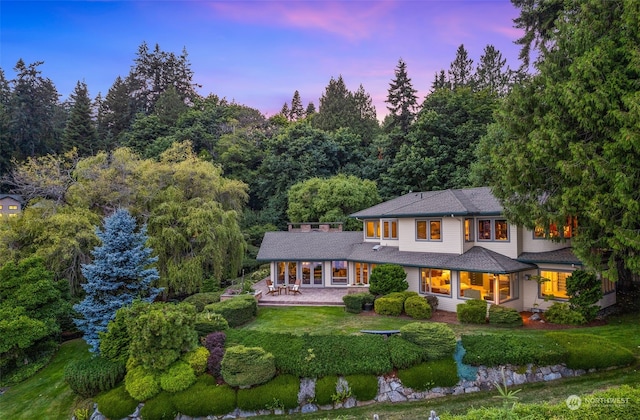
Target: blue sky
[(256, 53)]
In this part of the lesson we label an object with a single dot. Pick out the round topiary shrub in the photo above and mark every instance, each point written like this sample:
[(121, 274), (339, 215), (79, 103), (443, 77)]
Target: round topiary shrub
[(208, 322), (141, 384), (505, 317), (179, 377), (388, 306), (473, 311), (197, 359), (215, 339), (436, 339), (91, 376), (387, 278), (116, 404), (417, 307), (246, 366)]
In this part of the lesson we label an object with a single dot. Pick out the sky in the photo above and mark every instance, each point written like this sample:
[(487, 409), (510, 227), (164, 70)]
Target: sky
[(256, 53)]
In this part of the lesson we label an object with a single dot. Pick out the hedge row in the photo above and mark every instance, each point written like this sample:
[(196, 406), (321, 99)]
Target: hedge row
[(507, 348), (428, 375), (237, 311), (473, 311), (587, 351)]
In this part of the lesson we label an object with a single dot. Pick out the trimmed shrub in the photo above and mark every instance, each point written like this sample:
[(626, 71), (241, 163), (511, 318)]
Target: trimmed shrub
[(473, 311), (404, 354), (114, 343), (417, 307), (205, 398), (326, 389), (280, 392), (246, 366), (587, 351), (432, 301), (197, 359), (89, 377), (363, 387), (507, 348), (354, 302), (237, 311), (436, 339), (504, 317), (584, 290), (215, 339), (116, 403), (141, 384), (387, 278), (159, 407), (428, 375), (200, 300), (388, 306), (208, 322), (179, 377), (561, 313)]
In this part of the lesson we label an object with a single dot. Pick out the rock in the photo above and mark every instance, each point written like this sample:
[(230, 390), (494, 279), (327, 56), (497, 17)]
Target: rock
[(309, 408)]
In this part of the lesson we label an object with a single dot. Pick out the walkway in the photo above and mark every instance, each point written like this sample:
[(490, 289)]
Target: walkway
[(309, 296)]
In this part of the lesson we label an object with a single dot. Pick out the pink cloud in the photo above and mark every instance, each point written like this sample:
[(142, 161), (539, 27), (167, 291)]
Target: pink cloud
[(351, 20)]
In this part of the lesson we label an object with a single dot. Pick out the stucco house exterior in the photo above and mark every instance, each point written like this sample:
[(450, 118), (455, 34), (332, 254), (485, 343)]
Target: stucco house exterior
[(10, 205), (453, 244)]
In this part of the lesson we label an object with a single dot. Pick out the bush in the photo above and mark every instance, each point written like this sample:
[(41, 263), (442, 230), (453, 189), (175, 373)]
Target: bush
[(89, 377), (388, 306), (116, 404), (141, 384), (237, 310), (387, 278), (326, 389), (584, 290), (159, 407), (208, 322), (505, 348), (404, 354), (587, 351), (200, 300), (214, 361), (437, 340), (503, 316), (179, 377), (354, 302), (246, 366), (280, 392), (417, 307), (473, 311), (205, 398), (363, 387), (561, 313), (114, 343), (428, 375), (197, 359), (215, 339)]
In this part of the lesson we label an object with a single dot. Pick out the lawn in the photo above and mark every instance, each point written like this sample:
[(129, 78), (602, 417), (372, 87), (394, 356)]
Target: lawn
[(46, 395)]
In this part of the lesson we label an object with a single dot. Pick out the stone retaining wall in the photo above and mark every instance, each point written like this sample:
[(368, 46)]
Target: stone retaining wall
[(390, 389)]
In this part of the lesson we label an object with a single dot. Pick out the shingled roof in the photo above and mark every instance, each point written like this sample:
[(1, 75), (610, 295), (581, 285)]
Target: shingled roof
[(560, 256), (462, 202)]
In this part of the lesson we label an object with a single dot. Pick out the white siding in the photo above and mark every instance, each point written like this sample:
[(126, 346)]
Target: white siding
[(508, 248), (451, 233)]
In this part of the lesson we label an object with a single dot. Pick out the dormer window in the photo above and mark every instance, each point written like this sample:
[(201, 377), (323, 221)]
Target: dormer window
[(390, 229), (372, 229)]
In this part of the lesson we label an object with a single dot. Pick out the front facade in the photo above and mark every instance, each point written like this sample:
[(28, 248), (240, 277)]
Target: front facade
[(10, 205), (453, 244)]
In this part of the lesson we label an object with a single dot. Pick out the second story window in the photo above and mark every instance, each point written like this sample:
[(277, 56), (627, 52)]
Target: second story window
[(468, 230), (390, 229), (493, 230), (429, 230), (566, 232), (372, 229)]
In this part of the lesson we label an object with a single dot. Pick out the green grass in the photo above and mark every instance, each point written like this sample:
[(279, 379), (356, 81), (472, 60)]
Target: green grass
[(321, 320), (46, 395)]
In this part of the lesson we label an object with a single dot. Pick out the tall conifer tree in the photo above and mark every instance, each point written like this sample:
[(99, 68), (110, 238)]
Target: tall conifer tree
[(402, 99), (80, 131)]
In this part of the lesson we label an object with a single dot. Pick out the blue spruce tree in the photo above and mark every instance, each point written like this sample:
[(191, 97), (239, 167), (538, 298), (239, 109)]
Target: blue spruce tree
[(119, 274)]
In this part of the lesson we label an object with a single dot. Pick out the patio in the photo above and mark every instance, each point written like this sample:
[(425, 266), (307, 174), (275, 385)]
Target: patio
[(309, 296)]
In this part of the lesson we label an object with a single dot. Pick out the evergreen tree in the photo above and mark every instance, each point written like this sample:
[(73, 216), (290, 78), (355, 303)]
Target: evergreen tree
[(285, 112), (537, 20), (119, 274), (6, 148), (402, 99), (461, 69), (311, 109), (440, 81), (491, 73), (337, 108), (117, 114), (80, 131), (297, 112)]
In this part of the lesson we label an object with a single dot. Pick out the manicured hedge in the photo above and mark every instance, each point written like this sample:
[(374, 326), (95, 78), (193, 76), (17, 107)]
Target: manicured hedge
[(504, 317), (116, 403), (325, 389), (473, 311), (208, 322), (363, 387), (405, 354), (159, 407), (246, 366), (587, 351), (205, 398), (417, 307), (437, 339), (389, 305), (507, 348), (237, 311), (354, 302), (281, 391), (178, 377), (197, 359), (91, 376), (561, 313), (141, 383), (200, 300), (428, 375)]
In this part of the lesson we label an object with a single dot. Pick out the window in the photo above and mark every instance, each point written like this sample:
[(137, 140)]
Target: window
[(372, 229), (312, 273), (608, 286), (13, 207), (435, 281), (493, 230), (468, 230), (554, 284), (338, 272), (484, 286), (502, 230), (390, 229), (287, 270), (429, 230), (568, 231), (0, 206), (362, 272)]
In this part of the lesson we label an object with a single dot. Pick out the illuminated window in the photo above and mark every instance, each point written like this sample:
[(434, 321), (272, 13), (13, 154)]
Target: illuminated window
[(372, 229), (13, 207), (493, 230), (435, 281), (311, 273), (502, 230), (484, 230), (468, 230), (390, 229), (568, 231), (338, 272), (362, 272), (429, 230), (554, 284)]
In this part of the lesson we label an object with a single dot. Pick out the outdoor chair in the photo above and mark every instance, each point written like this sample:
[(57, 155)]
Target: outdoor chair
[(295, 288), (271, 288)]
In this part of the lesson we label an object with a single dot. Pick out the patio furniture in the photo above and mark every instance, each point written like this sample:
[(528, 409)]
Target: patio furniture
[(295, 288), (271, 288), (282, 288)]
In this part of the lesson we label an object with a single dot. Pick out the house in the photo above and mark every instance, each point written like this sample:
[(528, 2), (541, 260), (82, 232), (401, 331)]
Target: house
[(453, 244), (10, 205)]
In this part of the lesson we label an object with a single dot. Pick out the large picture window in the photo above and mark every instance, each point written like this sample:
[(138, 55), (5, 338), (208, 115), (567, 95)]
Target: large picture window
[(429, 230), (494, 288), (390, 229), (435, 281), (287, 272), (554, 284), (312, 273), (338, 272), (372, 229)]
